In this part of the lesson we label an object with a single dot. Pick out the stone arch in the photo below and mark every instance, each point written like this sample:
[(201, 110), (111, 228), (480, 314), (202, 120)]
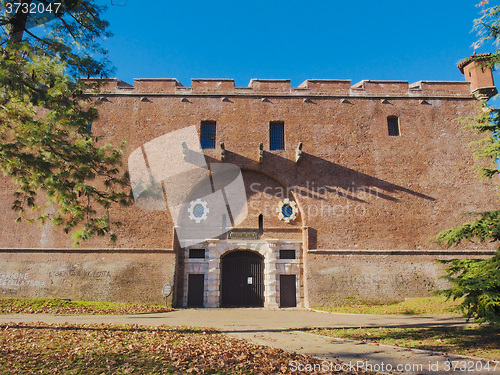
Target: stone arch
[(270, 189), (215, 203), (264, 192)]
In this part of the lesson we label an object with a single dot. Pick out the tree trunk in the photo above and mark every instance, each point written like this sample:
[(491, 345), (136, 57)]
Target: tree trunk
[(18, 22)]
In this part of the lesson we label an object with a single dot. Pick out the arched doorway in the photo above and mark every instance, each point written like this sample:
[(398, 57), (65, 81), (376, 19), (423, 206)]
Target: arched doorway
[(242, 279)]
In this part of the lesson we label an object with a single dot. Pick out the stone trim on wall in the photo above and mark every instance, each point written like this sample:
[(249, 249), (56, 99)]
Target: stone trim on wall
[(88, 250), (299, 95), (399, 252)]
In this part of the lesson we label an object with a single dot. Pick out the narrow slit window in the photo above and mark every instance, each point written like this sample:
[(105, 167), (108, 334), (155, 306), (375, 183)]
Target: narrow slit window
[(287, 254), (393, 125), (207, 134), (276, 135), (261, 224), (196, 253), (224, 223)]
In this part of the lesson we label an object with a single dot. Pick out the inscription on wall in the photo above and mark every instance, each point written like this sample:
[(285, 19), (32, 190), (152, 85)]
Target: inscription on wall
[(18, 279), (131, 277), (243, 235), (80, 273)]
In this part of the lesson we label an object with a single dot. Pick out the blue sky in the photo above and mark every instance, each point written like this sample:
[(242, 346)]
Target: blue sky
[(297, 40)]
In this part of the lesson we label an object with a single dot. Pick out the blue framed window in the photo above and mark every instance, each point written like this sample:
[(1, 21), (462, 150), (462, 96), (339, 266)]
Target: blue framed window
[(276, 135), (393, 125), (207, 134)]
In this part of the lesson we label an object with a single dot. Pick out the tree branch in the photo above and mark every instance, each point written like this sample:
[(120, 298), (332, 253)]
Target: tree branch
[(68, 27), (36, 37), (90, 13)]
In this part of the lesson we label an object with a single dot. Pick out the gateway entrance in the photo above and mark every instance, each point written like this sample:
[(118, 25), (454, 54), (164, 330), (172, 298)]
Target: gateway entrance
[(242, 279), (242, 273)]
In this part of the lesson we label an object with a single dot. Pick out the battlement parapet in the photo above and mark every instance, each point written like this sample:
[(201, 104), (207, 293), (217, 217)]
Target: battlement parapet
[(282, 87)]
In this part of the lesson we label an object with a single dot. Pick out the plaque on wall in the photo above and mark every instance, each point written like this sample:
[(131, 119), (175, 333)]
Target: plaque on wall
[(166, 290), (242, 235)]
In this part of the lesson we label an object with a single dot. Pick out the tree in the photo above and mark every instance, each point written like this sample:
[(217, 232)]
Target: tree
[(46, 146), (477, 281)]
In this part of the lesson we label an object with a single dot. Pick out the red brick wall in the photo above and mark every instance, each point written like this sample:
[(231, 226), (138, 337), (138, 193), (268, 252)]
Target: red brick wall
[(357, 186)]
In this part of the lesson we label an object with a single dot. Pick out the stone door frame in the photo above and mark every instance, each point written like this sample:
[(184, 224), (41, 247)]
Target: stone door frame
[(273, 267)]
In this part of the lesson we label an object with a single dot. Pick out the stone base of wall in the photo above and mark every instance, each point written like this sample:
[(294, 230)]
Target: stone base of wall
[(336, 277), (135, 276)]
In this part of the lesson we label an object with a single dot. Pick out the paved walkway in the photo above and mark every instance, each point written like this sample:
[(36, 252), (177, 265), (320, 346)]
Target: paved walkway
[(279, 328)]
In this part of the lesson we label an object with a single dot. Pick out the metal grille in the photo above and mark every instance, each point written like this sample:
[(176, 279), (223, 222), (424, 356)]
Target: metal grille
[(198, 210), (207, 134), (393, 125), (196, 289), (197, 253), (287, 254), (287, 210), (242, 279), (288, 291), (276, 135)]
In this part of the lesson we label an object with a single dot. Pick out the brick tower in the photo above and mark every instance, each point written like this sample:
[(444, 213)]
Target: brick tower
[(479, 75)]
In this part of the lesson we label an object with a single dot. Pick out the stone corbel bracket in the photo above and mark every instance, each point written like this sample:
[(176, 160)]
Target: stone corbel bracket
[(222, 151), (298, 152)]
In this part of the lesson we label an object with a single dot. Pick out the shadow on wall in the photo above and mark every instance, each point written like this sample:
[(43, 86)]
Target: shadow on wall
[(313, 176), (312, 238)]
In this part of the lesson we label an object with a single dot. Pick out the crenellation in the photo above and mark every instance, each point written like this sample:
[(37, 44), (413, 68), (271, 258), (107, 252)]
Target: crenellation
[(382, 87), (271, 85), (154, 85), (108, 85), (327, 86), (441, 88), (182, 90), (208, 85)]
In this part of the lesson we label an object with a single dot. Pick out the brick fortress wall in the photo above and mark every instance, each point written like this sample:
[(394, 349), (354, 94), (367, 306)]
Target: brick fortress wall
[(357, 188)]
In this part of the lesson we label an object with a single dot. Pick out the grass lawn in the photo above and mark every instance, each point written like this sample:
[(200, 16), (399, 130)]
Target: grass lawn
[(411, 306), (106, 349), (61, 306), (471, 340)]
